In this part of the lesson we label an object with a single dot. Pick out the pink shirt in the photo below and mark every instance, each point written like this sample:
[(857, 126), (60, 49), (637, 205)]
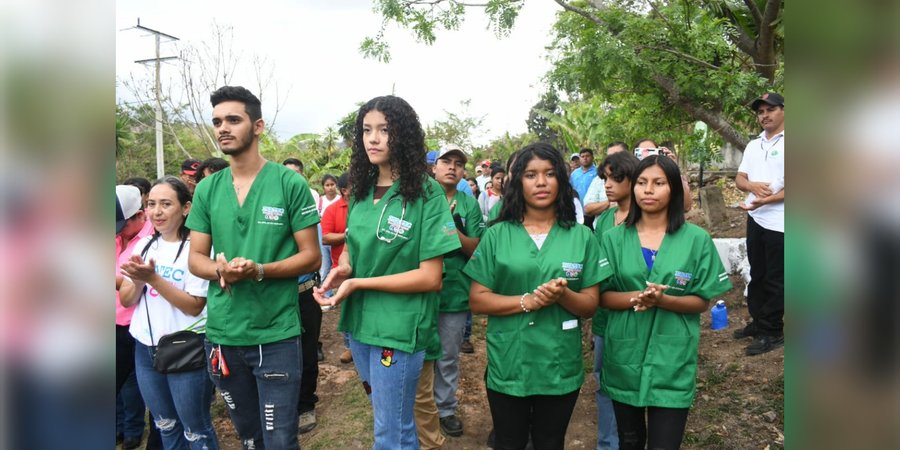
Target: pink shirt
[(123, 253)]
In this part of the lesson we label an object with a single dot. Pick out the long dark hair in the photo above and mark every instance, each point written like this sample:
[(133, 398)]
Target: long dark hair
[(513, 208), (406, 142), (675, 211), (184, 196)]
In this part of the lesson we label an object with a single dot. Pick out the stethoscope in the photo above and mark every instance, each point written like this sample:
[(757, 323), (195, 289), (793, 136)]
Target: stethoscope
[(380, 218)]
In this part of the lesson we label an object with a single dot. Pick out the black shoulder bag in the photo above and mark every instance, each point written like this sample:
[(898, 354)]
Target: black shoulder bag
[(181, 351)]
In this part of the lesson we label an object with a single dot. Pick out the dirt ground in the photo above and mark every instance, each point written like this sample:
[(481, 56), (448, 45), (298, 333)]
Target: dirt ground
[(739, 403)]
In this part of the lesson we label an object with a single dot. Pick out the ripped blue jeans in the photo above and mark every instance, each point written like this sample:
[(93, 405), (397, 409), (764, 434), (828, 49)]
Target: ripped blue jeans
[(261, 392), (179, 403)]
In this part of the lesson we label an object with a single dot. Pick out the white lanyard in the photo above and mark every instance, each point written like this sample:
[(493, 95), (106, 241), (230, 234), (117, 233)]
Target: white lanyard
[(380, 218)]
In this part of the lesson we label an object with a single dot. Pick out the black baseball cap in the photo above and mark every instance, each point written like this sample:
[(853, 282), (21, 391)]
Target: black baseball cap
[(770, 98)]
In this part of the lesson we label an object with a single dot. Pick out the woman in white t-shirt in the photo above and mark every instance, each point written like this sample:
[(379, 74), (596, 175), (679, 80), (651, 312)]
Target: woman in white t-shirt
[(169, 299)]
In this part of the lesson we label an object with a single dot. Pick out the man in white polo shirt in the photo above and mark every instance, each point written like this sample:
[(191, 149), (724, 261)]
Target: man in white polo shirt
[(761, 174)]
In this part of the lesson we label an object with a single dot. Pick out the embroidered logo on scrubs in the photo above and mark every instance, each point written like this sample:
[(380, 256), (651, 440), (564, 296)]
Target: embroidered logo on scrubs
[(682, 278), (398, 226), (272, 213), (387, 357), (449, 228), (572, 270)]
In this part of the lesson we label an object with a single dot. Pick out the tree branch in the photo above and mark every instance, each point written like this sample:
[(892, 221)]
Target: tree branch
[(715, 120), (685, 56), (581, 12), (754, 10)]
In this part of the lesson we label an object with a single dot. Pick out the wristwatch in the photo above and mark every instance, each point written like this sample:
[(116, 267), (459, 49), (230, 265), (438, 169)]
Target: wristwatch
[(259, 272)]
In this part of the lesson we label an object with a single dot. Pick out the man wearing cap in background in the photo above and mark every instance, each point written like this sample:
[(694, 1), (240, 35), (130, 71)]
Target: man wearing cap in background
[(574, 162), (761, 174), (436, 400), (485, 176), (463, 185), (188, 171)]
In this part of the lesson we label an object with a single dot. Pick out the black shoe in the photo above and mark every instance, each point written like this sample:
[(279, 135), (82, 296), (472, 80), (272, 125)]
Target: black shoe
[(490, 441), (467, 347), (131, 442), (748, 331), (764, 344), (319, 353), (452, 426)]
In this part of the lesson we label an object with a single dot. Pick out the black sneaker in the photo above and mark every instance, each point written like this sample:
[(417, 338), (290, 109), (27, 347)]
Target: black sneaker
[(319, 353), (452, 426), (748, 331), (491, 438), (130, 443), (467, 347), (764, 344)]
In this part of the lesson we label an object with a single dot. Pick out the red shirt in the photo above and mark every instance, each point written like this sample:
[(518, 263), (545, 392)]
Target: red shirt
[(334, 220)]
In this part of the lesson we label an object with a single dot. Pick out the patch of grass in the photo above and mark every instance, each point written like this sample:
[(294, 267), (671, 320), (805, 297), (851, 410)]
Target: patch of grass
[(716, 377), (347, 423)]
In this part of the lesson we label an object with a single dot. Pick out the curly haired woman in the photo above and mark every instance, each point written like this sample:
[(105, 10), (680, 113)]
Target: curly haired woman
[(398, 229)]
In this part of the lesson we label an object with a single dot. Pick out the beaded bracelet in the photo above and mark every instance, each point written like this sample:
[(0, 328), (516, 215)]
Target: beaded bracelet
[(522, 303)]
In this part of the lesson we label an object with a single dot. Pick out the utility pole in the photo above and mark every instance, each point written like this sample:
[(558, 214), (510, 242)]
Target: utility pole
[(160, 164)]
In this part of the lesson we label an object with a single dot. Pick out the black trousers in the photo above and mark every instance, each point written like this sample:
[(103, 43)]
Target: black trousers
[(765, 294), (311, 321), (662, 429), (124, 356), (124, 368), (545, 417)]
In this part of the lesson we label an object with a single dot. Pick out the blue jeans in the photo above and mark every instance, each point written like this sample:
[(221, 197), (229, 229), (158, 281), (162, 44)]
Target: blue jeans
[(451, 326), (390, 382), (179, 403), (130, 410), (261, 392), (607, 436), (468, 333)]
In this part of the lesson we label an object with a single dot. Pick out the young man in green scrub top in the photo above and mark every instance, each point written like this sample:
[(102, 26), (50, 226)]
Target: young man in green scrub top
[(535, 273), (662, 273), (448, 170), (261, 220)]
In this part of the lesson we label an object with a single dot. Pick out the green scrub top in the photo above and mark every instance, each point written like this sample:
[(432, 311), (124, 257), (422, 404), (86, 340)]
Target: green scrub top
[(604, 222), (391, 237), (650, 357), (494, 213), (277, 205), (539, 352), (455, 292)]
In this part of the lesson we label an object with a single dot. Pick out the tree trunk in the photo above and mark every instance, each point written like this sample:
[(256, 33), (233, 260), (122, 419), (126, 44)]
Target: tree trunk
[(715, 120)]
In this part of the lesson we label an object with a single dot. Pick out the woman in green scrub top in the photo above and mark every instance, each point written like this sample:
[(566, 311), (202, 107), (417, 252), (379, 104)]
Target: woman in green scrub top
[(535, 274), (398, 229), (616, 171), (663, 272)]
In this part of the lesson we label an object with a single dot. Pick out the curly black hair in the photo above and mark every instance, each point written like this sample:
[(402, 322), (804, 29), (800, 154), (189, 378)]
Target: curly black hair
[(406, 141), (513, 208)]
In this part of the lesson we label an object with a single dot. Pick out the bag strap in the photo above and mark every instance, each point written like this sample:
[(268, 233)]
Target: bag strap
[(147, 310)]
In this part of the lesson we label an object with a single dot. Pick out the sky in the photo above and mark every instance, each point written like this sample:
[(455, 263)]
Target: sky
[(314, 49)]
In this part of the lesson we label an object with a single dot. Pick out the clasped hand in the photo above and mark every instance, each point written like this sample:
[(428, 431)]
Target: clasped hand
[(138, 270), (338, 278), (547, 294), (649, 297), (231, 272)]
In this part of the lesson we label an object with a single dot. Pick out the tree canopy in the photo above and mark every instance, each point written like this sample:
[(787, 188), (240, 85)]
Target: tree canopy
[(658, 65)]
